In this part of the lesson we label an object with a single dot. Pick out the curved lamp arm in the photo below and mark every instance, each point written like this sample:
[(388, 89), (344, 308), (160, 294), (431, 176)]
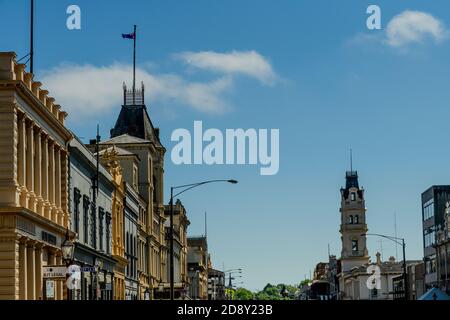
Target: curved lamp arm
[(195, 185), (394, 239), (231, 270)]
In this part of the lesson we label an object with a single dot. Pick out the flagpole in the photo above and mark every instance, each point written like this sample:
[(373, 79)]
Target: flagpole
[(31, 36), (134, 67)]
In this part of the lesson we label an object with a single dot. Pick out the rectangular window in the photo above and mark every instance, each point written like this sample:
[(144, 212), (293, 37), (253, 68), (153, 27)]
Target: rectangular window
[(101, 214), (76, 209), (428, 210), (353, 196), (86, 206), (429, 237), (94, 226), (155, 188), (135, 177), (108, 233)]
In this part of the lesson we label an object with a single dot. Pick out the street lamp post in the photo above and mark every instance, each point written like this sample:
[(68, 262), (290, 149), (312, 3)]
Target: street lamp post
[(185, 188), (402, 243), (230, 272), (68, 250)]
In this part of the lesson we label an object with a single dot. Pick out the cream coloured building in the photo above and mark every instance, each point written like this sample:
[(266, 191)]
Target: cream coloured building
[(141, 157), (33, 182)]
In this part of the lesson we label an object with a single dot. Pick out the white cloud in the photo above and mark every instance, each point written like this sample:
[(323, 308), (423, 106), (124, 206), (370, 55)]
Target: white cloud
[(84, 90), (249, 63), (414, 27)]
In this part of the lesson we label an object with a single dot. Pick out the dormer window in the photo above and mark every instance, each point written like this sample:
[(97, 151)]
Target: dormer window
[(353, 196)]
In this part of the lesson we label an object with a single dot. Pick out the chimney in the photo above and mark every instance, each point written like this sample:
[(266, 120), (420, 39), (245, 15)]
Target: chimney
[(378, 258), (7, 63), (20, 71)]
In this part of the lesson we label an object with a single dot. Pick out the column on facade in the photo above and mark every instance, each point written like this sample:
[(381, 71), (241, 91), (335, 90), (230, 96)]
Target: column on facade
[(30, 165), (51, 252), (58, 185), (23, 269), (38, 264), (37, 170), (21, 165), (44, 186), (31, 270), (51, 178), (59, 283), (64, 188)]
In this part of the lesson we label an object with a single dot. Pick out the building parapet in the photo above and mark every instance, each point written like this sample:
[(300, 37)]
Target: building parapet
[(12, 71)]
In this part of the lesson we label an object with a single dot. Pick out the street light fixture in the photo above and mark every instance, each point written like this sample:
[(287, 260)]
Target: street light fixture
[(233, 270), (402, 243), (68, 249), (185, 188)]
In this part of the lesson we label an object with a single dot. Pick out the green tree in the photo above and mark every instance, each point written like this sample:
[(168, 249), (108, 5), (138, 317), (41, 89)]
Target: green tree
[(243, 294), (274, 292), (304, 282)]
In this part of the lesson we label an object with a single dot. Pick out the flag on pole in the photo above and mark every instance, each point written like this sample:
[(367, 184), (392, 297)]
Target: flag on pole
[(129, 35)]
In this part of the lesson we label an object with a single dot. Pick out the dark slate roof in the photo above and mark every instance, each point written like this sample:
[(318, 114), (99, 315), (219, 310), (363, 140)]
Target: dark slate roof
[(351, 180), (385, 267), (135, 121)]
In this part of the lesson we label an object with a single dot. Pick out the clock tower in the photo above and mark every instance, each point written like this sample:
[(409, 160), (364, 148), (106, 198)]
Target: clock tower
[(353, 224)]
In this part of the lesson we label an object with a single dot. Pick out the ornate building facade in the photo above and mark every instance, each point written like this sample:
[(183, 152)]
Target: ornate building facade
[(109, 159), (135, 135), (198, 262), (91, 220), (180, 226), (34, 212)]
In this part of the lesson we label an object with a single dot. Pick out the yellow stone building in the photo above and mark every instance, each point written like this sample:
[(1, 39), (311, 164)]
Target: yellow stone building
[(109, 159), (137, 138), (33, 182)]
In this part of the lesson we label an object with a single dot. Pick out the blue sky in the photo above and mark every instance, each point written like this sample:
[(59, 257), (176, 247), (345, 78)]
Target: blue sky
[(326, 81)]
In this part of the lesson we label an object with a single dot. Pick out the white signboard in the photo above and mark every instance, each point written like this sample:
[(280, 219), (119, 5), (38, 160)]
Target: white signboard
[(50, 289), (52, 272)]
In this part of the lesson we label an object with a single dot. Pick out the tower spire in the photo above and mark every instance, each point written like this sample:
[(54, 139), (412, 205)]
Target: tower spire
[(351, 160), (206, 226)]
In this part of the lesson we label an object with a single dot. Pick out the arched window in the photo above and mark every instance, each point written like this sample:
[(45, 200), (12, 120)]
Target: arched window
[(155, 189), (356, 219), (354, 245), (350, 219)]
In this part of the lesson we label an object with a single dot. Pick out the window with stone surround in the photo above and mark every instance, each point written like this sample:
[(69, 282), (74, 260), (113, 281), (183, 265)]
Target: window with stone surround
[(86, 206), (76, 209), (101, 215)]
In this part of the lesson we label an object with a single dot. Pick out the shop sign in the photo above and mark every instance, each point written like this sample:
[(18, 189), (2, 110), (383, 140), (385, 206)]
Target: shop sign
[(54, 272)]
